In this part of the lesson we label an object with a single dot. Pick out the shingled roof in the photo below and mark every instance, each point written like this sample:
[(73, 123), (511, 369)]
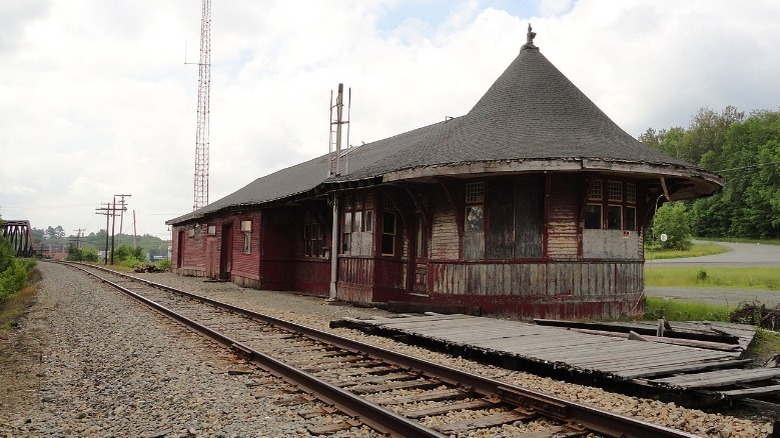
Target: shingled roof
[(532, 118)]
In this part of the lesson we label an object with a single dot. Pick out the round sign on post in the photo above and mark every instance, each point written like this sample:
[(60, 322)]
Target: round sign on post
[(664, 237)]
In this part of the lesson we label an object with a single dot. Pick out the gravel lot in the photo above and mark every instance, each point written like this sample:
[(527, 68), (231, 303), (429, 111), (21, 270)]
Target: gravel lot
[(89, 361)]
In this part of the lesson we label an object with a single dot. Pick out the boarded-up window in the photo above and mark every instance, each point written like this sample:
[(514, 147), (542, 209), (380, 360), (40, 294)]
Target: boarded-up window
[(513, 222), (500, 236), (529, 216)]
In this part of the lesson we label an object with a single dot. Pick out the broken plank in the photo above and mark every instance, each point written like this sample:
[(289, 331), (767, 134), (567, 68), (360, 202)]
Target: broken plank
[(761, 390)]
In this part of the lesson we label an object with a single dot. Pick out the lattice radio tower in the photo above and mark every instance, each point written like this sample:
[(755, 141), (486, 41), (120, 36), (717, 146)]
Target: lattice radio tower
[(202, 133)]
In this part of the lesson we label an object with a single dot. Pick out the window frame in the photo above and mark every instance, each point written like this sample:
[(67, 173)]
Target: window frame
[(247, 242), (393, 233), (620, 194)]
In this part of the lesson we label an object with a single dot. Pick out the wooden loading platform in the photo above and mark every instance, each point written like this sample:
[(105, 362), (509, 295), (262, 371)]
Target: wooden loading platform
[(701, 361)]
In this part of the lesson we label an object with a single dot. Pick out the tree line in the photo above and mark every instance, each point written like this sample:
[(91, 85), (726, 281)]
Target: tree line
[(745, 151), (152, 247)]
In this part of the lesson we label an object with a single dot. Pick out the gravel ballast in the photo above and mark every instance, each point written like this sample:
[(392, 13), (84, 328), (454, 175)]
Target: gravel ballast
[(93, 362)]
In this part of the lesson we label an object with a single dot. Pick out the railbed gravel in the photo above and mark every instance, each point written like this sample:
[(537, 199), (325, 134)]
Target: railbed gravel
[(112, 369)]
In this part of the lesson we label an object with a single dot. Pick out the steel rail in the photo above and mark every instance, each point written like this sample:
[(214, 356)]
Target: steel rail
[(595, 420), (371, 414)]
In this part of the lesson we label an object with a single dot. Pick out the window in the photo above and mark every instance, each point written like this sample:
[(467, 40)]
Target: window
[(346, 234), (357, 225), (631, 193), (596, 192), (615, 191), (474, 219), (630, 218), (247, 243), (475, 193), (616, 210), (212, 230), (388, 233), (369, 221), (593, 216), (313, 240), (614, 217), (357, 221)]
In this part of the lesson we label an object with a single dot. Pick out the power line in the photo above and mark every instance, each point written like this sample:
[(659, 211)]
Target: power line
[(747, 167)]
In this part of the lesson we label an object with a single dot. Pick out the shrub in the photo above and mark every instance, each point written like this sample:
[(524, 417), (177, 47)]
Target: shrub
[(164, 264), (672, 220), (16, 276), (89, 255)]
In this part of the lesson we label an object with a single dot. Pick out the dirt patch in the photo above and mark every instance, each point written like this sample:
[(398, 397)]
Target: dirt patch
[(23, 338)]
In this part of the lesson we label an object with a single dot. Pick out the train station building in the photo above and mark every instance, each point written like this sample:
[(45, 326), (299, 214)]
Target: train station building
[(533, 204)]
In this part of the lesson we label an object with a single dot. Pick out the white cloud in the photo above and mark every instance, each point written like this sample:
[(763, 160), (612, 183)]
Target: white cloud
[(97, 100)]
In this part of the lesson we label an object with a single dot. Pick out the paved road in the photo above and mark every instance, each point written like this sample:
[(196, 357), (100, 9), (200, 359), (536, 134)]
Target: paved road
[(742, 255)]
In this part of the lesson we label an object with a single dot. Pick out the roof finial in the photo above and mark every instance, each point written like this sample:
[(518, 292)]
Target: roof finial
[(529, 44)]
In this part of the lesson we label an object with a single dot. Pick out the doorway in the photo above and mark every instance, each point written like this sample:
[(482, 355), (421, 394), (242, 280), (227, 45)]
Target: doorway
[(226, 251)]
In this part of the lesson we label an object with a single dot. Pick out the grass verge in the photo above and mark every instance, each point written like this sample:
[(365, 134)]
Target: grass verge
[(697, 250), (676, 310), (742, 240), (724, 277), (15, 306)]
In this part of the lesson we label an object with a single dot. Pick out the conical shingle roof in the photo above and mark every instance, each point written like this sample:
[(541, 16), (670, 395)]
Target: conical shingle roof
[(532, 118)]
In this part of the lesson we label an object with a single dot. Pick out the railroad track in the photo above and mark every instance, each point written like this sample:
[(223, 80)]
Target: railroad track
[(390, 392)]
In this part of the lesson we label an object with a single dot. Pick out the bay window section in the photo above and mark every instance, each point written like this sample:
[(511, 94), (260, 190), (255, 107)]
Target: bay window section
[(613, 209)]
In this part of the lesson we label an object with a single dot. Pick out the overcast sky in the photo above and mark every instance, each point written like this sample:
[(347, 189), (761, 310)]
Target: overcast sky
[(95, 98)]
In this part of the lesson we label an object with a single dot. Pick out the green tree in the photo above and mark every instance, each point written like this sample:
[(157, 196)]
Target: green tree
[(672, 221), (746, 153), (74, 253)]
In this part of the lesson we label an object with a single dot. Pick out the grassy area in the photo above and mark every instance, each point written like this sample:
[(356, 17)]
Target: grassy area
[(13, 308), (676, 310), (697, 250), (723, 277)]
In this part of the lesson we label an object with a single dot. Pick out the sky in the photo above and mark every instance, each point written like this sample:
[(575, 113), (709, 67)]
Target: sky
[(96, 99)]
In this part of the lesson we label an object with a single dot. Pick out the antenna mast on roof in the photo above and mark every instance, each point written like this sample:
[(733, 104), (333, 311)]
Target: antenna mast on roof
[(334, 139), (202, 133)]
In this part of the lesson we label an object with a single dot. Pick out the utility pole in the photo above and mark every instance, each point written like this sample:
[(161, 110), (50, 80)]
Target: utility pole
[(122, 214), (105, 210), (135, 233), (78, 237), (113, 226)]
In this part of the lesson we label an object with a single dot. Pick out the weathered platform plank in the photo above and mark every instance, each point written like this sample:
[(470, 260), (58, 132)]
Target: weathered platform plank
[(617, 358)]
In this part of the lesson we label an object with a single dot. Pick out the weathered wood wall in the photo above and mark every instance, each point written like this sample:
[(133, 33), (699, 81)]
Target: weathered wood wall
[(533, 284), (563, 205), (612, 244), (445, 242)]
